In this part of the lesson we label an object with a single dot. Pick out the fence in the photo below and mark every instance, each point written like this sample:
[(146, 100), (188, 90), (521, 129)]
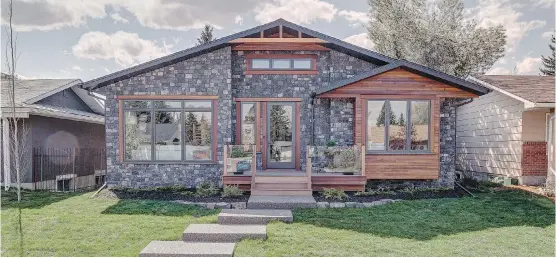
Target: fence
[(68, 169)]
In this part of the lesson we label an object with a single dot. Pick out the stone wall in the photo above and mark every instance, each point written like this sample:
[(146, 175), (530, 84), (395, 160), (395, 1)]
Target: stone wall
[(206, 75), (342, 121)]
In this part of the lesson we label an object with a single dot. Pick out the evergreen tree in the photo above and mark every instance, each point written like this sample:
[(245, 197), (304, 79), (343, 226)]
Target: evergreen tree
[(280, 123), (192, 129), (380, 121), (206, 35), (205, 131), (401, 121), (549, 61)]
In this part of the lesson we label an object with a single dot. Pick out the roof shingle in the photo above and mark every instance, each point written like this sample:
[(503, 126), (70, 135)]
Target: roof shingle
[(534, 88)]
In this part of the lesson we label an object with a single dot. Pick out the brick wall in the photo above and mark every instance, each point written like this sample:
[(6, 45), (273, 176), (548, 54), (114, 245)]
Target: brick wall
[(534, 160)]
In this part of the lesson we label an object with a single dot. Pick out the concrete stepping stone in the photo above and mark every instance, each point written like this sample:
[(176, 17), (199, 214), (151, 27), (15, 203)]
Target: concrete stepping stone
[(187, 249), (222, 233), (253, 217), (280, 202)]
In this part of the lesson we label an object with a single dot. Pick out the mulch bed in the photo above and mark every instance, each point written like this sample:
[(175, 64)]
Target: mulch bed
[(171, 196), (398, 195)]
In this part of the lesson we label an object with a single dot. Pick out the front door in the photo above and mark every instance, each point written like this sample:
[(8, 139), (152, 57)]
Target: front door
[(281, 135)]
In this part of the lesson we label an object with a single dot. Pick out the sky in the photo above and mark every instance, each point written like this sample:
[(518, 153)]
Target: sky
[(87, 39)]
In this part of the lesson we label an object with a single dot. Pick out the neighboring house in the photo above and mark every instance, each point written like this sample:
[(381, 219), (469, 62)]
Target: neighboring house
[(56, 117), (282, 88), (506, 131)]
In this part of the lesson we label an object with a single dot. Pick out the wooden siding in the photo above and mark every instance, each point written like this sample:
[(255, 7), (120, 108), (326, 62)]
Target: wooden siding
[(489, 135)]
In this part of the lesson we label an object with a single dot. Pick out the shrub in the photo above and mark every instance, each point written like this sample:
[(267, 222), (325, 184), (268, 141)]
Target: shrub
[(238, 152), (330, 143), (334, 194), (173, 188), (206, 189), (231, 191)]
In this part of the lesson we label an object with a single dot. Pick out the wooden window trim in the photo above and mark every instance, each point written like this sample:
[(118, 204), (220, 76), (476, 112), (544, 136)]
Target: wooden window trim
[(298, 135), (268, 99), (214, 120), (252, 71)]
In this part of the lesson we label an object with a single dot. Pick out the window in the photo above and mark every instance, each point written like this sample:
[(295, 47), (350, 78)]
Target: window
[(398, 125), (168, 131), (247, 123), (260, 63), (282, 62)]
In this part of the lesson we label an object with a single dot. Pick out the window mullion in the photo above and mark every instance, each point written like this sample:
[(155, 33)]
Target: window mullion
[(408, 127), (387, 125)]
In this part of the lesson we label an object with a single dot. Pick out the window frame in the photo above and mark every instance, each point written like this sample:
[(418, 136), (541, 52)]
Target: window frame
[(182, 110), (407, 144), (290, 70)]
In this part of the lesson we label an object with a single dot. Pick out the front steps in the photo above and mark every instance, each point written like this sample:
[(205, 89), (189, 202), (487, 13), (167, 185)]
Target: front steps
[(282, 185), (280, 202), (218, 240), (253, 217), (185, 249)]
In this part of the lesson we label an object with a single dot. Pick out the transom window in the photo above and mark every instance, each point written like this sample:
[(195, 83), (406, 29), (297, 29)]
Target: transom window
[(398, 125), (168, 130), (281, 64)]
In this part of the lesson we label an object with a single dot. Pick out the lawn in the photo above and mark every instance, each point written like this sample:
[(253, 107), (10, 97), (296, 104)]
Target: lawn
[(503, 223)]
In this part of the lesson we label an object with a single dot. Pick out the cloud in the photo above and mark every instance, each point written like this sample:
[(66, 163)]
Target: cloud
[(77, 68), (543, 3), (51, 14), (548, 34), (499, 71), (501, 12), (360, 40), (125, 48), (355, 18), (118, 18), (529, 65), (297, 11), (238, 20)]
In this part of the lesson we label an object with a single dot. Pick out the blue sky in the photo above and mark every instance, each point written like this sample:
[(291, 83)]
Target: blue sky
[(86, 39)]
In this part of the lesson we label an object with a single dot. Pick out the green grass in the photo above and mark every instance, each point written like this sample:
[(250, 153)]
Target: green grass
[(504, 223)]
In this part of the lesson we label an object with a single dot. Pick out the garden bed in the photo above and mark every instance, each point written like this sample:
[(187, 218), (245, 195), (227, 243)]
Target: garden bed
[(397, 196), (156, 194)]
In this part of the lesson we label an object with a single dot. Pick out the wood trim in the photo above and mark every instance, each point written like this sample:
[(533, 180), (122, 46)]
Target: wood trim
[(262, 33), (404, 97), (121, 123), (238, 123), (299, 34), (225, 159), (263, 151), (257, 126), (281, 31), (298, 72), (267, 99), (337, 95), (251, 56), (298, 135), (277, 40), (279, 47), (214, 126), (155, 97)]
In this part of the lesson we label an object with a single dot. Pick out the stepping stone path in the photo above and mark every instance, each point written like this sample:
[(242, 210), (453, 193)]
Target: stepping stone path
[(210, 240)]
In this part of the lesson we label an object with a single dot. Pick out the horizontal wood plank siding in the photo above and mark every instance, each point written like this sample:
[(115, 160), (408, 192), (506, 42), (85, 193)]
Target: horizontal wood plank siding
[(489, 135), (390, 166)]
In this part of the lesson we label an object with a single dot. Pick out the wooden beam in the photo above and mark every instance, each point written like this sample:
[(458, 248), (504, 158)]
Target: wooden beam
[(278, 47), (266, 99), (277, 40), (238, 123), (258, 126), (155, 97), (298, 135), (299, 34), (262, 33), (263, 127), (281, 32)]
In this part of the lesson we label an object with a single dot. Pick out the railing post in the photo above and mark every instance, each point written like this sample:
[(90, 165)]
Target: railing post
[(363, 160), (253, 165), (308, 166), (225, 160)]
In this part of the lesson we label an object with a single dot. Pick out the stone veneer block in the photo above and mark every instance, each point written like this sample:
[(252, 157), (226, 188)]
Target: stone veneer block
[(223, 205), (185, 249), (222, 233), (351, 204), (337, 205), (239, 205), (253, 217), (323, 205)]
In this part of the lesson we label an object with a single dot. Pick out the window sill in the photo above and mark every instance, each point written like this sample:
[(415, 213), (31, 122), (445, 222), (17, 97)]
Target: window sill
[(400, 153), (299, 72)]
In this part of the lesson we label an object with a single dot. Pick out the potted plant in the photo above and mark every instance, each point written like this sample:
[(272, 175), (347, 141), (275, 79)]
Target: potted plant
[(242, 165)]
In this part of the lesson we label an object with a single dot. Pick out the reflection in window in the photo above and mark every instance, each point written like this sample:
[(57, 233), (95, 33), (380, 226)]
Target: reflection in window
[(198, 136), (281, 63), (420, 111), (247, 123), (376, 125), (260, 63), (302, 64), (397, 128), (138, 131), (168, 135)]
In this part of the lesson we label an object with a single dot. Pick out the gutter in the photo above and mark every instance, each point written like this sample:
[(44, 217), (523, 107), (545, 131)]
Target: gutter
[(532, 105)]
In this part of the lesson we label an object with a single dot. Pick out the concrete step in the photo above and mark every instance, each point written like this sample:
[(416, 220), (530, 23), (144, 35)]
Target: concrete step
[(187, 249), (253, 217), (280, 202), (222, 233), (281, 192), (284, 186)]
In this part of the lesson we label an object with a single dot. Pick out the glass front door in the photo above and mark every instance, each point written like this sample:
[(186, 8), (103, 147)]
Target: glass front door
[(281, 135)]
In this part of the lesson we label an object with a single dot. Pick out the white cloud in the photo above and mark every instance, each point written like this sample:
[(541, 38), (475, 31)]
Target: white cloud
[(125, 48), (543, 3), (548, 34), (502, 12), (355, 18), (297, 11), (499, 71), (118, 18), (529, 65), (77, 68), (360, 40), (238, 20)]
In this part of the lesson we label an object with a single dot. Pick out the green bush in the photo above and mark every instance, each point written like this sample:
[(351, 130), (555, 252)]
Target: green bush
[(231, 191), (334, 194), (238, 152), (206, 189), (330, 143)]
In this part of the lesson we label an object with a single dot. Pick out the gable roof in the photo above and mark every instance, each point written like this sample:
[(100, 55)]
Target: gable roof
[(332, 43), (532, 88), (415, 68)]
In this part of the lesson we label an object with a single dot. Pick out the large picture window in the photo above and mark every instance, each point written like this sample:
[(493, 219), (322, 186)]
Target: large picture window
[(169, 130), (398, 126)]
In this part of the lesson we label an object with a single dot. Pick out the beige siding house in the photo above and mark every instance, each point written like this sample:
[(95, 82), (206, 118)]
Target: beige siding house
[(505, 132)]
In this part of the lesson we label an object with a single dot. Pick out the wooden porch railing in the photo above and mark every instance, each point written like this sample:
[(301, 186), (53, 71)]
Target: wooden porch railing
[(253, 166), (308, 166), (363, 150)]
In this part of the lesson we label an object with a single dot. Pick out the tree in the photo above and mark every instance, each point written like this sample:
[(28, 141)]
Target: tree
[(434, 34), (380, 120), (549, 61), (206, 35), (192, 129), (401, 121)]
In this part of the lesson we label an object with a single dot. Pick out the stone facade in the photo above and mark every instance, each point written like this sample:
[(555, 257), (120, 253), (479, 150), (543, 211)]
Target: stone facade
[(342, 121)]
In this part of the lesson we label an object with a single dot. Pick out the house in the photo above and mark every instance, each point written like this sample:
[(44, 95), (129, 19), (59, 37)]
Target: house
[(280, 88), (56, 118), (506, 131)]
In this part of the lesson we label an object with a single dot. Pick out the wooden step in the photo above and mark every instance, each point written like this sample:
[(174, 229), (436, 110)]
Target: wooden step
[(288, 186), (285, 179), (280, 192)]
